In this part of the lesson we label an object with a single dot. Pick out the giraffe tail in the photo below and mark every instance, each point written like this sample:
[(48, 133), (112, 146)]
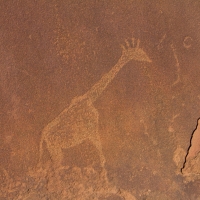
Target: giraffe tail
[(41, 147)]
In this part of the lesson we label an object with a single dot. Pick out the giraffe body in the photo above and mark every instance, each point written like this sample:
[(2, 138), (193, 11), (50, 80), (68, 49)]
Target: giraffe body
[(75, 124)]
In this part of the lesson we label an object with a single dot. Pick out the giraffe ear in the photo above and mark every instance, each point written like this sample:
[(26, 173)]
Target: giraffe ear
[(123, 47), (127, 43), (133, 41)]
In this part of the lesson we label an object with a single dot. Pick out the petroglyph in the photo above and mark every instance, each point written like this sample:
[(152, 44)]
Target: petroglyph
[(79, 122), (170, 128), (187, 42), (145, 127), (74, 125), (160, 45), (178, 69)]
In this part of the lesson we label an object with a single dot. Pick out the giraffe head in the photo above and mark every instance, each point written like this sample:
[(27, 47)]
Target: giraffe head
[(133, 52)]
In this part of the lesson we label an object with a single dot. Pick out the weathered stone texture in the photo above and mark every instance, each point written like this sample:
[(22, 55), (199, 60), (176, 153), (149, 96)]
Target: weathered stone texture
[(99, 99)]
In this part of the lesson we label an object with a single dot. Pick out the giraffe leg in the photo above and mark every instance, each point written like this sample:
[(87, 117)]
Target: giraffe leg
[(97, 143), (56, 155)]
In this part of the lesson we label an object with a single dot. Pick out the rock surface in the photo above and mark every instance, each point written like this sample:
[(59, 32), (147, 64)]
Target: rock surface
[(99, 100)]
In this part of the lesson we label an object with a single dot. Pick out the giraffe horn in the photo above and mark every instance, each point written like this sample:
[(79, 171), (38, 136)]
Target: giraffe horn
[(127, 43), (138, 43)]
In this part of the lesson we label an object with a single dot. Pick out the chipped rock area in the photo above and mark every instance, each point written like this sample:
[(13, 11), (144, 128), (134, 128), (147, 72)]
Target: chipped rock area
[(99, 100), (191, 167)]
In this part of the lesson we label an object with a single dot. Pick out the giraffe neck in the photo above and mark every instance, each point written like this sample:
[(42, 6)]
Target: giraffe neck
[(101, 85)]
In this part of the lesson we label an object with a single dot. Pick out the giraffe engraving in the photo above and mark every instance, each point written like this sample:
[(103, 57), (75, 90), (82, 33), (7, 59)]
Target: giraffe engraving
[(79, 122)]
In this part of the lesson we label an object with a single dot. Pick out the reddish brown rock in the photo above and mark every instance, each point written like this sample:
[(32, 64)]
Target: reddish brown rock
[(99, 99)]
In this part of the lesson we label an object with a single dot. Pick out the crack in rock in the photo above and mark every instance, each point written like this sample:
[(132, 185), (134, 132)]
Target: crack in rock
[(191, 165)]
